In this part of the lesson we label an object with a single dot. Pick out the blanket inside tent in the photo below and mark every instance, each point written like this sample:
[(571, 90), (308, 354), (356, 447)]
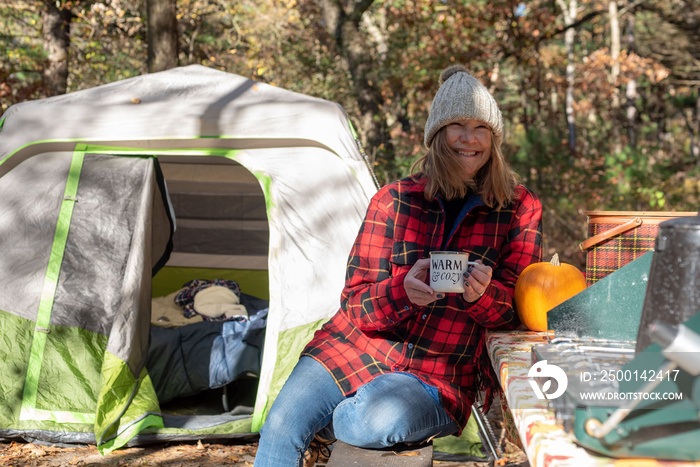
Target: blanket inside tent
[(190, 355)]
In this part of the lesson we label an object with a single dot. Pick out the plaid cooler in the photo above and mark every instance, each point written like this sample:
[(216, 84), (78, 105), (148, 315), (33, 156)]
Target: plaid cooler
[(616, 238)]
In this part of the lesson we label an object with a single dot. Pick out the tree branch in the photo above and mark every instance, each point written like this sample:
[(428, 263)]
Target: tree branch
[(591, 15), (576, 23), (360, 8), (689, 26)]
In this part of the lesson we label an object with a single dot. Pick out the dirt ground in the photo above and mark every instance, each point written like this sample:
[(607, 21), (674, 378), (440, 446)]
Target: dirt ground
[(201, 454), (168, 455)]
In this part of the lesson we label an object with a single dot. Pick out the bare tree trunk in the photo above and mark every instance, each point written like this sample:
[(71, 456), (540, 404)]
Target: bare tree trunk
[(538, 71), (631, 92), (569, 12), (523, 96), (695, 149), (162, 35), (342, 22), (56, 34), (615, 73)]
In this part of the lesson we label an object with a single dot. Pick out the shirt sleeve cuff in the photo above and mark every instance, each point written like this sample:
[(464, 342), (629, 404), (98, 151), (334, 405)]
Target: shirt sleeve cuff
[(398, 297)]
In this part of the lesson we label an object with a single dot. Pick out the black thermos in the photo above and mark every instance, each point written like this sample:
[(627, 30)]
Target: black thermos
[(673, 289)]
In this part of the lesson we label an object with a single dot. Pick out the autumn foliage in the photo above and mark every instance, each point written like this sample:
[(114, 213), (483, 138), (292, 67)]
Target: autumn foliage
[(632, 141)]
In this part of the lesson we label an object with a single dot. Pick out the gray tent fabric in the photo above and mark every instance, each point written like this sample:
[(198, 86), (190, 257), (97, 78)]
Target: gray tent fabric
[(186, 102), (76, 270), (115, 202), (102, 187)]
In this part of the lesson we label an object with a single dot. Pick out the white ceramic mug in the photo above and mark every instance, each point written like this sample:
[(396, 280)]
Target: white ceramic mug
[(447, 269)]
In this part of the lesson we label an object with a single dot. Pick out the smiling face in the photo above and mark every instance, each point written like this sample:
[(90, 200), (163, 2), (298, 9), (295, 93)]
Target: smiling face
[(471, 141)]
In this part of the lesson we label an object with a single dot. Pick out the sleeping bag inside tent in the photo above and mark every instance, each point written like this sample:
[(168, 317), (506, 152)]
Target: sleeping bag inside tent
[(169, 244)]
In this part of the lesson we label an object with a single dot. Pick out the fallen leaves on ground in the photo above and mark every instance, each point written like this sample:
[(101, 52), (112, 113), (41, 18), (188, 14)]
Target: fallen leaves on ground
[(172, 455), (238, 453)]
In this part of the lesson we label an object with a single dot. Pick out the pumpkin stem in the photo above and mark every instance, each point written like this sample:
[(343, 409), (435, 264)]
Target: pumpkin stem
[(555, 260)]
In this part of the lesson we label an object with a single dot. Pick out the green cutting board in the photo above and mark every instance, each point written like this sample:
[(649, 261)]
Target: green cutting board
[(610, 308)]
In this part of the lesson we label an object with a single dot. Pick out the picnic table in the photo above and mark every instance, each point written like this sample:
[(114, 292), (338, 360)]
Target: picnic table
[(545, 442)]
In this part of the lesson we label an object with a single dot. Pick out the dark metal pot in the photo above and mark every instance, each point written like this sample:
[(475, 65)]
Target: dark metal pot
[(673, 290)]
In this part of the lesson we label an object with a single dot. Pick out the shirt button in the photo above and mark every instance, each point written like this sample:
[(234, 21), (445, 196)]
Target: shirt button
[(406, 308), (425, 316), (410, 346)]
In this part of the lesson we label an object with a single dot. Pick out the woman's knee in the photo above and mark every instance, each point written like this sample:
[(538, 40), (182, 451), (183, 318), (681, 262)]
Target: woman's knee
[(370, 424), (391, 409)]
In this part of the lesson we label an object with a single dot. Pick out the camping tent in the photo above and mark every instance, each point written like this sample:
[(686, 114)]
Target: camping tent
[(190, 173)]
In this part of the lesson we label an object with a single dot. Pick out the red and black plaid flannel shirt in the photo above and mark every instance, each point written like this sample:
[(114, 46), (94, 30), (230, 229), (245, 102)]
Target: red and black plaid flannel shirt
[(378, 329)]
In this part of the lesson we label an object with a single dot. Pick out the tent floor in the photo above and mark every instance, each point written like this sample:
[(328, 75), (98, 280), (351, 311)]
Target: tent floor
[(237, 397)]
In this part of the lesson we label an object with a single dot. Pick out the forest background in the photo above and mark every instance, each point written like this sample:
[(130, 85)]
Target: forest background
[(600, 98)]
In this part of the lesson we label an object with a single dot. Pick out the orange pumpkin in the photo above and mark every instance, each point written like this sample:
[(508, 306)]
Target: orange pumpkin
[(541, 287)]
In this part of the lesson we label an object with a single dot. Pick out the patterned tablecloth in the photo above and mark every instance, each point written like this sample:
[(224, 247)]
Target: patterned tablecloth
[(544, 441)]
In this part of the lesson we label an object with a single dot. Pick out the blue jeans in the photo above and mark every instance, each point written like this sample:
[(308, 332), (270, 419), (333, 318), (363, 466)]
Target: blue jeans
[(392, 408)]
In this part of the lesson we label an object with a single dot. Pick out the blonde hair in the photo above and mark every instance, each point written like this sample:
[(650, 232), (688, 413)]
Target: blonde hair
[(495, 181)]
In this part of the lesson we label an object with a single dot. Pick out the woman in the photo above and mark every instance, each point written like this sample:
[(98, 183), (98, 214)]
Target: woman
[(400, 362)]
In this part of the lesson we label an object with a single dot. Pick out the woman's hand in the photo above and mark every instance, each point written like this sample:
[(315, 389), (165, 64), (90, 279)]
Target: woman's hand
[(417, 290), (476, 281)]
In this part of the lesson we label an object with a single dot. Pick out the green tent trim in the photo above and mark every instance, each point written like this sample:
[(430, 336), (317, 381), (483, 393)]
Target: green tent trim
[(123, 393), (122, 401), (61, 341), (41, 331)]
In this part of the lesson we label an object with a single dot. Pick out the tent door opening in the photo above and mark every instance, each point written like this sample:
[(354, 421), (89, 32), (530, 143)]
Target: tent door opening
[(221, 239)]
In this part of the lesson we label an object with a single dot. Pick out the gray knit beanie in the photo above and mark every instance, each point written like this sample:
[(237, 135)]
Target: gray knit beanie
[(462, 96)]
